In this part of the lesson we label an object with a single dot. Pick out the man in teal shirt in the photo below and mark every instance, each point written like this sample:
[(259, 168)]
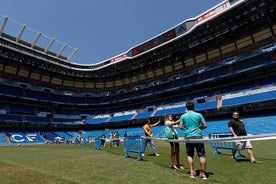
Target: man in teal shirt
[(193, 123)]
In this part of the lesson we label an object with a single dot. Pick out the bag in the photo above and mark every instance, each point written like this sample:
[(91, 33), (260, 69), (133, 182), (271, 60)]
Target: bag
[(168, 133)]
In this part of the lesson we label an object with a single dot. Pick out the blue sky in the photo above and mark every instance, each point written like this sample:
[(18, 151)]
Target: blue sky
[(99, 29)]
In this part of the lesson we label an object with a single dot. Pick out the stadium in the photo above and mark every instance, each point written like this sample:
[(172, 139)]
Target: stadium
[(223, 60)]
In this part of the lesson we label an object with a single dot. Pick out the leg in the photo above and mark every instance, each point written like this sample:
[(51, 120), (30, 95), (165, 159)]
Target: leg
[(202, 161), (251, 155), (233, 153), (173, 156), (177, 154), (190, 155), (238, 146), (151, 142), (145, 145), (249, 149), (191, 164), (200, 148)]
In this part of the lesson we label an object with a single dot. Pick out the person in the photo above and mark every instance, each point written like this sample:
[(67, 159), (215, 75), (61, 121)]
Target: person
[(172, 125), (103, 140), (237, 128), (193, 123), (148, 137), (117, 137)]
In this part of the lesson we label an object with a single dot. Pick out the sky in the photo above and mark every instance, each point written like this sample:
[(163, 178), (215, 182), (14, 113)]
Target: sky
[(99, 29)]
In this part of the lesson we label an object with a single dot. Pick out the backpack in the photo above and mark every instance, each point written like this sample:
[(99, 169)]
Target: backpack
[(168, 132)]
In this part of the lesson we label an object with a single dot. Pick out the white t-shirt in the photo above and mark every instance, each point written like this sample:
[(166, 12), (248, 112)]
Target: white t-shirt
[(168, 124)]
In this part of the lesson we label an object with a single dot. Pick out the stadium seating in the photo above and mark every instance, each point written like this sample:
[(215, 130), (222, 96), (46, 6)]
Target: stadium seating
[(259, 97), (226, 63), (121, 118), (96, 120), (142, 115), (11, 118), (38, 120)]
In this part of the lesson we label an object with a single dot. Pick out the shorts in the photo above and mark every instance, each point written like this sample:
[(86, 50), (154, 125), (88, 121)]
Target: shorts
[(242, 144), (174, 143), (200, 148)]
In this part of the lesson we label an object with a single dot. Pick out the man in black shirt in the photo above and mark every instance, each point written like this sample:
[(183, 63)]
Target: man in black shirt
[(237, 128)]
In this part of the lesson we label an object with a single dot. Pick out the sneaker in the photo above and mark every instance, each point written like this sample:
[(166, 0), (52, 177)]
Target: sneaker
[(175, 168), (156, 154), (180, 167), (255, 162), (203, 176), (142, 154), (192, 174)]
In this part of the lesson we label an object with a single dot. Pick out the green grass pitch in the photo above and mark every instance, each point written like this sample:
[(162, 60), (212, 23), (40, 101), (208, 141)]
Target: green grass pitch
[(72, 164)]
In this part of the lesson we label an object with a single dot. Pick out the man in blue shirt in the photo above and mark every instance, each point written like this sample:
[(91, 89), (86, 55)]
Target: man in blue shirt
[(193, 123)]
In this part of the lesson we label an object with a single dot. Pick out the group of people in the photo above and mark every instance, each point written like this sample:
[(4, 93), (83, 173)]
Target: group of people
[(114, 138), (193, 123)]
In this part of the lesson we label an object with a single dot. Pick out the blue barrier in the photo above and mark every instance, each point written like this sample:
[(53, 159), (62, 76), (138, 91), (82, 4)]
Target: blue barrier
[(83, 141), (223, 145), (134, 144), (98, 143)]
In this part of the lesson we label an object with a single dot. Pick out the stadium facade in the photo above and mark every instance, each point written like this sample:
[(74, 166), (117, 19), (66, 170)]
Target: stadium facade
[(223, 60)]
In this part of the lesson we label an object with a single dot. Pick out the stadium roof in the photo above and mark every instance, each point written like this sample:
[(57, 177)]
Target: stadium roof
[(187, 45)]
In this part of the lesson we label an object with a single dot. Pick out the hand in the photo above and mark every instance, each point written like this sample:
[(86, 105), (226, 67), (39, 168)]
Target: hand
[(175, 126), (202, 127)]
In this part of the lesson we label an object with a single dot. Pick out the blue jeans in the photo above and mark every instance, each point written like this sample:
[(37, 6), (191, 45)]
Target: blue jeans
[(151, 143)]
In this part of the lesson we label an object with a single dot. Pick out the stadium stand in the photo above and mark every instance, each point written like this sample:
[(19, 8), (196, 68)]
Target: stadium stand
[(96, 120), (223, 60)]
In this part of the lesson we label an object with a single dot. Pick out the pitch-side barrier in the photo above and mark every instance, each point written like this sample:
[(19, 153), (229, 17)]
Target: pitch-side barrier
[(225, 141), (252, 137), (134, 144), (223, 145), (98, 143)]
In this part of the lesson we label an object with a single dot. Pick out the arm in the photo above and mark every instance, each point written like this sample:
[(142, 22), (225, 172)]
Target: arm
[(203, 122), (147, 133), (204, 125), (181, 125), (232, 131), (156, 123), (175, 123)]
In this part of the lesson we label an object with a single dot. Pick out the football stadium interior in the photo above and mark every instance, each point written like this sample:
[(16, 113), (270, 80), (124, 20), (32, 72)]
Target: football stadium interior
[(223, 60)]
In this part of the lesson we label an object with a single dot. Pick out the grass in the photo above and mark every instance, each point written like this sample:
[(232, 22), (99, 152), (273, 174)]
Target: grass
[(66, 164)]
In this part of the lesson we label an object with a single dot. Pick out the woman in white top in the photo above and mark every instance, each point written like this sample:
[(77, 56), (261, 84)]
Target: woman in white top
[(170, 124)]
